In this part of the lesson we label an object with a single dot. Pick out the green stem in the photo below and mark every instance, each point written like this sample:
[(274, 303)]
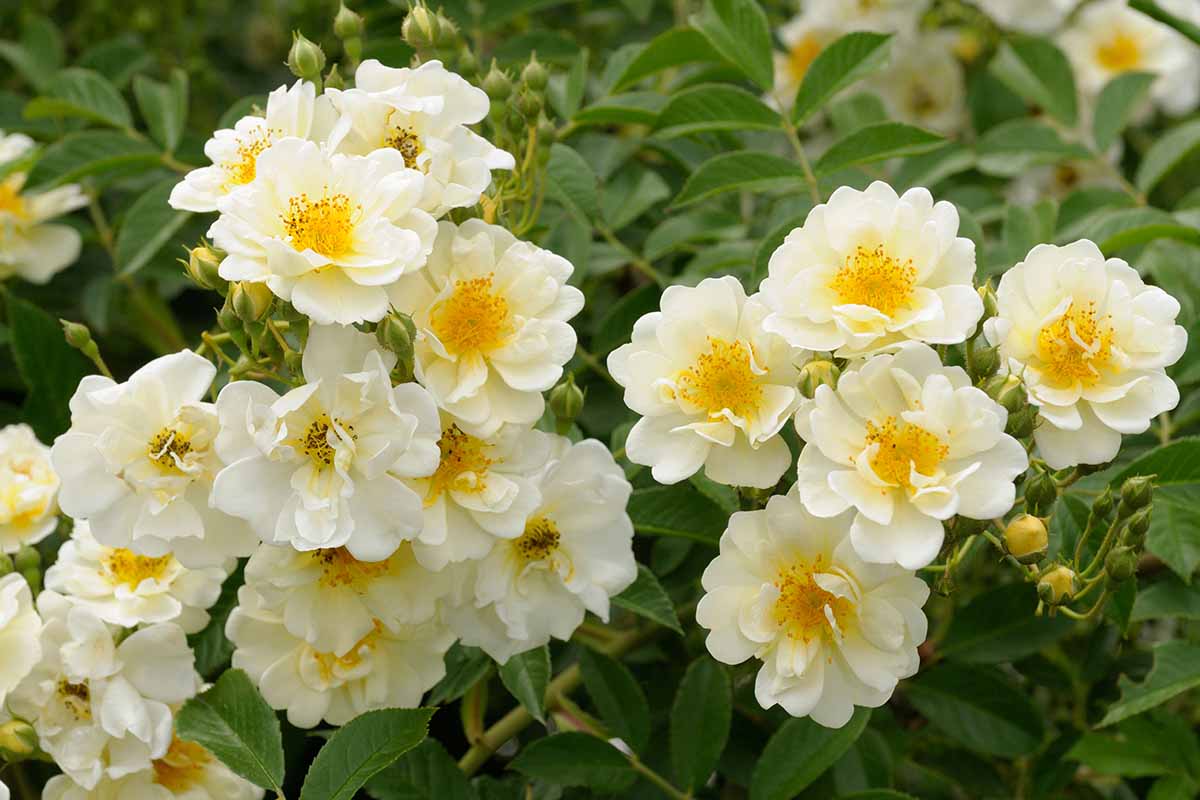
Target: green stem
[(789, 130), (662, 783), (595, 365), (639, 263)]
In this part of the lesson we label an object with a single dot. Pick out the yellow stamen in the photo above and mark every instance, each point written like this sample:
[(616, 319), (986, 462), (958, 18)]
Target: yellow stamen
[(1119, 53), (325, 226), (902, 447), (328, 662), (130, 569), (474, 319), (243, 170), (340, 568), (540, 539), (801, 609), (316, 440), (407, 142), (1076, 346), (77, 698), (874, 278), (183, 766), (11, 201), (801, 55), (169, 448), (462, 455), (722, 379)]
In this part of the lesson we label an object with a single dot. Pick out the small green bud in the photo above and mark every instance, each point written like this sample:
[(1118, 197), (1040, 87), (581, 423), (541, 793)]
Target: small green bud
[(1120, 563), (396, 332), (1139, 525), (1103, 505), (566, 401), (990, 305), (306, 59), (1040, 493), (529, 103), (468, 64), (334, 79), (1020, 425), (203, 267), (34, 578), (445, 34), (18, 740), (251, 301), (985, 362), (1006, 389), (346, 23), (227, 318), (420, 28), (816, 373), (1057, 586), (534, 75), (1138, 491), (77, 334), (514, 121), (546, 132), (27, 558), (1026, 539), (6, 565), (496, 83), (965, 526)]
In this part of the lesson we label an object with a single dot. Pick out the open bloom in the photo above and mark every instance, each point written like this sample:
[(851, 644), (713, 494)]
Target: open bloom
[(138, 463), (1091, 341), (833, 631), (870, 269), (103, 709), (575, 553), (321, 467), (491, 314), (294, 111), (1028, 16), (923, 83), (332, 600), (1108, 38), (28, 489), (882, 16), (907, 443), (31, 247), (803, 37), (326, 232), (482, 491), (127, 589), (20, 633), (387, 668), (423, 114), (713, 386)]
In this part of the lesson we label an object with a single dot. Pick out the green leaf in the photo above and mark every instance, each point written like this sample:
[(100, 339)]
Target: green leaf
[(677, 510), (81, 93), (526, 675), (698, 225), (646, 597), (1176, 669), (1175, 524), (800, 752), (618, 697), (1167, 599), (1016, 146), (39, 54), (930, 169), (148, 225), (1128, 757), (210, 646), (575, 759), (117, 59), (234, 723), (1167, 153), (362, 748), (427, 772), (849, 59), (632, 108), (78, 155), (978, 708), (738, 30), (616, 326), (714, 107), (876, 143), (465, 666), (1116, 104), (747, 170), (700, 720), (672, 48), (1039, 72), (1123, 228), (164, 106), (999, 625), (632, 192), (571, 181)]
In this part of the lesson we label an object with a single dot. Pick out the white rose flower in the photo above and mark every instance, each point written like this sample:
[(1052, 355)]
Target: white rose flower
[(326, 232), (103, 709), (713, 386), (20, 634), (4, 792), (321, 466), (882, 16), (482, 491), (833, 631), (28, 489), (422, 113), (1028, 16), (923, 83), (126, 589), (575, 553), (294, 111), (332, 600), (1108, 38), (491, 314), (387, 668), (908, 443), (1091, 341), (870, 269), (803, 37), (138, 463), (30, 246)]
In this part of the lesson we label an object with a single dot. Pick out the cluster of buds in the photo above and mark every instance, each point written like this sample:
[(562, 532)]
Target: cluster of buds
[(28, 562), (431, 33)]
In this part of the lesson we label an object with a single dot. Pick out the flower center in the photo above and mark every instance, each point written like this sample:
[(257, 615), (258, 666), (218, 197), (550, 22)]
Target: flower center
[(407, 142), (127, 568), (169, 448), (328, 663), (463, 467), (1119, 53), (340, 568), (874, 278), (801, 56), (539, 540), (804, 610), (77, 698), (182, 767), (325, 226), (316, 442), (902, 448), (1077, 345), (11, 201), (243, 170), (473, 319), (723, 379)]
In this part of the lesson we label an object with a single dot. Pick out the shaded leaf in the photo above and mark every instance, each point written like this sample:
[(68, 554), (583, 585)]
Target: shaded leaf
[(799, 752), (876, 143), (646, 597), (575, 759), (1176, 669), (978, 708), (748, 170), (526, 675), (738, 30), (677, 510), (148, 225), (362, 748), (618, 698), (714, 107), (1038, 71), (849, 59), (77, 92), (700, 719)]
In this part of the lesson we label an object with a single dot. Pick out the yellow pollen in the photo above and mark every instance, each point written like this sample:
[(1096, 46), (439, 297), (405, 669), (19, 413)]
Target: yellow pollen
[(11, 201), (77, 697), (315, 443), (474, 319), (1119, 53), (722, 379), (182, 767), (903, 447), (874, 278), (243, 170), (1076, 346), (325, 226), (801, 56), (461, 453), (407, 142), (353, 657), (168, 448), (340, 568), (800, 609), (130, 569), (539, 540)]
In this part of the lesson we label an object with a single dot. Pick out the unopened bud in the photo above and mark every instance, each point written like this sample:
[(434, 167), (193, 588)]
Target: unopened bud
[(1020, 425), (1006, 389), (514, 121), (529, 103), (27, 558), (34, 578), (496, 83), (990, 306), (1040, 493), (566, 401), (445, 33), (1139, 525), (203, 267), (984, 363), (816, 373), (334, 79), (419, 28), (227, 318), (346, 23), (1120, 563), (6, 565), (1057, 586), (546, 132), (18, 740), (306, 59), (396, 332), (1026, 539), (251, 301), (534, 75), (468, 64), (1103, 505), (77, 334), (1137, 492)]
